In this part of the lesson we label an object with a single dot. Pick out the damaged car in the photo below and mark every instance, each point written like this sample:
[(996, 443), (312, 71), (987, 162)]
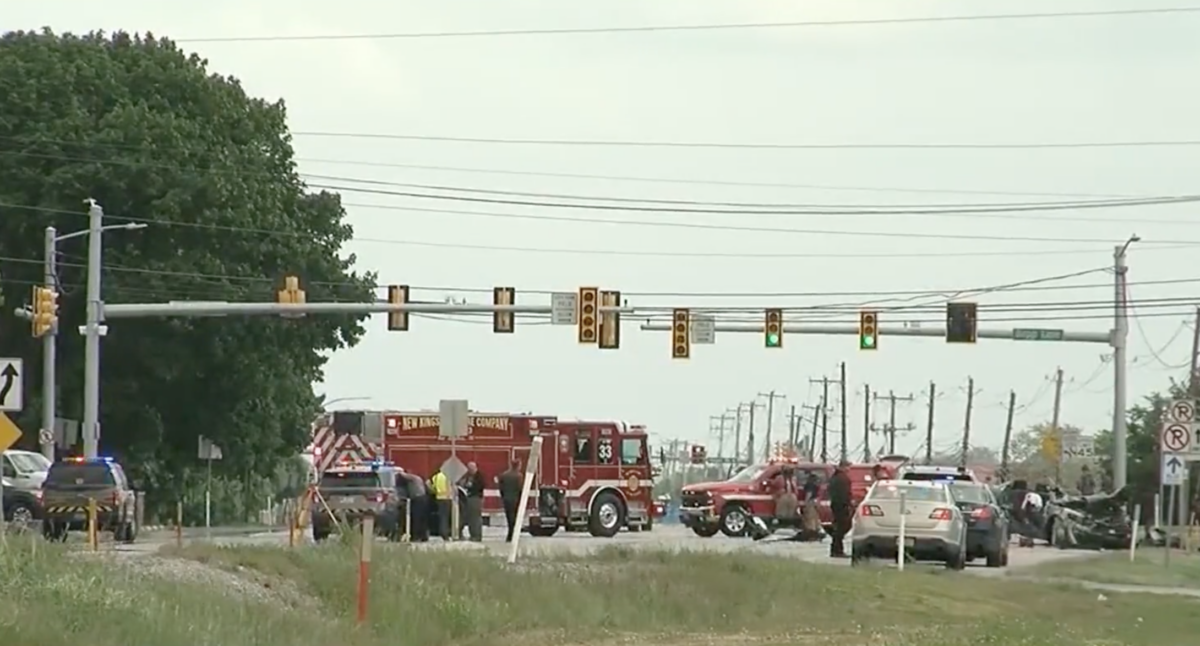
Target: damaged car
[(1098, 522)]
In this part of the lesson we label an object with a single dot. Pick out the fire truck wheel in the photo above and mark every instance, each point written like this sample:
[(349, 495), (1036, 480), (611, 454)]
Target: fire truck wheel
[(608, 516), (734, 521), (705, 531)]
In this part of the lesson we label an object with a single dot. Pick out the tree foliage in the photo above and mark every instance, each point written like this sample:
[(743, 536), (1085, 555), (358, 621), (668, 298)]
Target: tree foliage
[(155, 137)]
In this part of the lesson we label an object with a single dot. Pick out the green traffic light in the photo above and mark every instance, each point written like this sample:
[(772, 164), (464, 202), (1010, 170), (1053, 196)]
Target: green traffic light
[(772, 340), (867, 342)]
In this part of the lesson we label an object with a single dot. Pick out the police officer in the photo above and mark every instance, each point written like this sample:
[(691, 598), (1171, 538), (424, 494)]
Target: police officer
[(510, 486), (418, 507), (841, 506), (472, 485)]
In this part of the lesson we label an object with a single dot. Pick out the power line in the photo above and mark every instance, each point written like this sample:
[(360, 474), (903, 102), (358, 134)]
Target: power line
[(530, 173), (703, 27), (1178, 244), (595, 143), (1003, 211)]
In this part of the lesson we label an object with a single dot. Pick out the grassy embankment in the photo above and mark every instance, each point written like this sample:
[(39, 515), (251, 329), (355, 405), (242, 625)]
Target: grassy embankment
[(212, 596), (1148, 569)]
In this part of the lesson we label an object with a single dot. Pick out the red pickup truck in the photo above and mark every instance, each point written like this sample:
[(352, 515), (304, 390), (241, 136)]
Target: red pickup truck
[(726, 507)]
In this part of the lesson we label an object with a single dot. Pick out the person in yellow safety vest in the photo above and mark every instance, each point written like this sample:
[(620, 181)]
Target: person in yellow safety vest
[(440, 485)]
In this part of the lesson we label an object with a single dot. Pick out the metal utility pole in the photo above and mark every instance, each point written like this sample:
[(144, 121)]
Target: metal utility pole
[(842, 399), (1120, 336), (966, 440), (49, 350), (771, 397), (1008, 428), (1055, 429), (866, 423), (93, 330), (929, 425)]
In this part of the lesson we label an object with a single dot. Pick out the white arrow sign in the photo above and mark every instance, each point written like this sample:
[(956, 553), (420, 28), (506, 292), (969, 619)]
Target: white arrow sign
[(1174, 470), (12, 373)]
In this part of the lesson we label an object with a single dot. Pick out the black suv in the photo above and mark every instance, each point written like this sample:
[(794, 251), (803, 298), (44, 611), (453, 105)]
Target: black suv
[(70, 487)]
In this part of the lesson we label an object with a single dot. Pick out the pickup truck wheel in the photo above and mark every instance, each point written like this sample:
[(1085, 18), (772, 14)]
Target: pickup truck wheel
[(705, 531), (20, 513), (607, 517), (734, 522)]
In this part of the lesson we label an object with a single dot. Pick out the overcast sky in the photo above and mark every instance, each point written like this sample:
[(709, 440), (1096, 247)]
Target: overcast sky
[(1028, 81)]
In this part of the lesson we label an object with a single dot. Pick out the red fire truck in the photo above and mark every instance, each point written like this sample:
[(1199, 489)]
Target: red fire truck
[(592, 476)]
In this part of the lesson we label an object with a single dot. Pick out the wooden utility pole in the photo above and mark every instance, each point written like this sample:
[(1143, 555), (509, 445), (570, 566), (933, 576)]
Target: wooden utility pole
[(825, 381), (891, 429), (966, 439), (771, 397), (1055, 430), (750, 440), (1194, 393), (824, 433), (867, 423), (812, 437), (721, 420), (1008, 428), (929, 425), (845, 424), (737, 430), (793, 428)]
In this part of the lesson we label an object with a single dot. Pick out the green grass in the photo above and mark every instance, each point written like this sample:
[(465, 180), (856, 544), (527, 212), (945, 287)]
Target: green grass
[(211, 596), (1148, 569)]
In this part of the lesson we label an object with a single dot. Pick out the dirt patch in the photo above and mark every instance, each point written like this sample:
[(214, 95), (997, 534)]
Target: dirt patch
[(250, 585)]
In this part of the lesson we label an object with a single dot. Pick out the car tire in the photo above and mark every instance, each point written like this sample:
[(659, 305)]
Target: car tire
[(543, 532), (996, 557), (705, 531), (607, 517), (956, 560), (19, 512), (734, 521)]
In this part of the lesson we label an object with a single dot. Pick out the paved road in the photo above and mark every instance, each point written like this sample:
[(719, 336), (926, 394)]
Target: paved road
[(664, 537)]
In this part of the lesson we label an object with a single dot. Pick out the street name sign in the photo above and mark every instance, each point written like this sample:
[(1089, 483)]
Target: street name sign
[(1036, 334)]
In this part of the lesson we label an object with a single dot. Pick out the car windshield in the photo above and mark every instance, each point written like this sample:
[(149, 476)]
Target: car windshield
[(921, 494), (29, 462), (971, 493), (749, 474)]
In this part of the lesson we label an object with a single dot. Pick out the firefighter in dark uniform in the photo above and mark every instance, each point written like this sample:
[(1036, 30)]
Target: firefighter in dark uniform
[(418, 507), (510, 486), (842, 508)]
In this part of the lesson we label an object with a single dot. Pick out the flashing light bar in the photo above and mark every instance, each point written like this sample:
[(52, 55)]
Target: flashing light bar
[(82, 460)]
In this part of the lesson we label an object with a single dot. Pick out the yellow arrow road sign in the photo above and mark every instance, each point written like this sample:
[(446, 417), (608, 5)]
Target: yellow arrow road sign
[(9, 433)]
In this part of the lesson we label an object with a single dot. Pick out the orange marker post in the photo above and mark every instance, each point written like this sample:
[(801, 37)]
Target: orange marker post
[(364, 566)]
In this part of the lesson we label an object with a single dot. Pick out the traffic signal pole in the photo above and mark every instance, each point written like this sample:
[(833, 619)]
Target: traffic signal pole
[(49, 351)]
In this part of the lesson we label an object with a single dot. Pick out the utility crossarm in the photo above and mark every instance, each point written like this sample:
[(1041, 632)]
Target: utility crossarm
[(852, 330), (220, 308)]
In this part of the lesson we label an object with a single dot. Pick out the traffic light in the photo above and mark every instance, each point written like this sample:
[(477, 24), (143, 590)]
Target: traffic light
[(398, 321), (45, 310), (589, 311), (868, 330), (681, 334), (504, 322), (610, 322), (292, 294), (773, 328), (961, 322)]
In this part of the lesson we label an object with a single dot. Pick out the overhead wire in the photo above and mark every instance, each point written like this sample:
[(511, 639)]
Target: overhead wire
[(860, 22)]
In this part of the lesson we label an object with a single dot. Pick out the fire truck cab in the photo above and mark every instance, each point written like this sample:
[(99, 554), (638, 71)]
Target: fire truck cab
[(590, 476)]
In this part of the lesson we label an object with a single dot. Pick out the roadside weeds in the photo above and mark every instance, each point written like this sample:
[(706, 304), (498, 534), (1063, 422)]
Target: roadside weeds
[(228, 596)]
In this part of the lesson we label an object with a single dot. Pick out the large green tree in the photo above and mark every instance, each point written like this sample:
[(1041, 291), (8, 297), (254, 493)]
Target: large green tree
[(155, 137)]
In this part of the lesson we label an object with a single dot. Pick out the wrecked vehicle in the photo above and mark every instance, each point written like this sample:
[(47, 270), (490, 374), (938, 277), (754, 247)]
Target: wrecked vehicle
[(1098, 522)]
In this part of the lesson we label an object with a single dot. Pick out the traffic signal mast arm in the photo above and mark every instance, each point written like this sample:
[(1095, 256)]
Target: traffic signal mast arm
[(218, 308), (820, 329)]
